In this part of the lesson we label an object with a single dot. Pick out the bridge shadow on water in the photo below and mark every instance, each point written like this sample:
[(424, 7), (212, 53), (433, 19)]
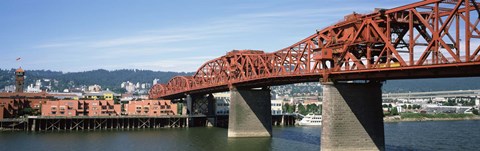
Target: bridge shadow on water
[(311, 135), (308, 134), (401, 148)]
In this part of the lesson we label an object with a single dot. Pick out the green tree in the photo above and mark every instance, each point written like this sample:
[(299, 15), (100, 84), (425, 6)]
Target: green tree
[(285, 107), (475, 111), (179, 108), (288, 108), (312, 108), (409, 107), (301, 109), (394, 111), (26, 111)]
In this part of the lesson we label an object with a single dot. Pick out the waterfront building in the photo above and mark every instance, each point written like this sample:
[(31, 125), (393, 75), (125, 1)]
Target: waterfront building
[(16, 104), (448, 109), (69, 108), (150, 108), (277, 107), (435, 96), (1, 111), (222, 103)]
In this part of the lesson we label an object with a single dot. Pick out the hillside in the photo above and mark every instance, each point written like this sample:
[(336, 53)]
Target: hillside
[(113, 79), (423, 85), (105, 78)]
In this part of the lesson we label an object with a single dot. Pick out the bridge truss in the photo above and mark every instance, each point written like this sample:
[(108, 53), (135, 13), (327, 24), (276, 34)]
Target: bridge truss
[(431, 38)]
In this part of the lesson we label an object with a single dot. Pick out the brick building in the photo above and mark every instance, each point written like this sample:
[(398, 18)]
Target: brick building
[(16, 104), (150, 108), (1, 112), (69, 108)]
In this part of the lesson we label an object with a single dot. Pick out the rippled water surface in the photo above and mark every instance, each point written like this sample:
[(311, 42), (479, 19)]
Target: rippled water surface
[(435, 135)]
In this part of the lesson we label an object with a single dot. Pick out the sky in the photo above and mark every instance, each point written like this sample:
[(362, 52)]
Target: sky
[(180, 35)]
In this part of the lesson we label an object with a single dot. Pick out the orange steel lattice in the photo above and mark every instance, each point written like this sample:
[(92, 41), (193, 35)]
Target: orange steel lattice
[(426, 39)]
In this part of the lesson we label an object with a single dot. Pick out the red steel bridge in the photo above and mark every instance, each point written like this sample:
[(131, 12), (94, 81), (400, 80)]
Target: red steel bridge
[(426, 39)]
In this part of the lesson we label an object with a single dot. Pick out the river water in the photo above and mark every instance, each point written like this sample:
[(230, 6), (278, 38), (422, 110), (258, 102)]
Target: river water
[(432, 135)]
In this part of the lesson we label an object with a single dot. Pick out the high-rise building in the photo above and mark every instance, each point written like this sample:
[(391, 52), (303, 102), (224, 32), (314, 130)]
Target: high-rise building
[(155, 81), (130, 87)]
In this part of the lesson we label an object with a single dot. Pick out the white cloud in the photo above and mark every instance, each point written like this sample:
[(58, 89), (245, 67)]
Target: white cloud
[(183, 42), (184, 64), (57, 44)]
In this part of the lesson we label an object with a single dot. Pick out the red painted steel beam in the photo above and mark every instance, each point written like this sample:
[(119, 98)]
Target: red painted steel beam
[(372, 46)]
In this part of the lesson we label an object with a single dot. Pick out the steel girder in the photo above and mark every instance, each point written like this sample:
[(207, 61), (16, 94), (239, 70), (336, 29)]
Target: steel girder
[(441, 36)]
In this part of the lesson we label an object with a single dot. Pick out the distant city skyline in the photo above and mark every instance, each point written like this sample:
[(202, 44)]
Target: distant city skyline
[(73, 36)]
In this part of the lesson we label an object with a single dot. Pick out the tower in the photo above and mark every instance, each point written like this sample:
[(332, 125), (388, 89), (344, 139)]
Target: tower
[(19, 80)]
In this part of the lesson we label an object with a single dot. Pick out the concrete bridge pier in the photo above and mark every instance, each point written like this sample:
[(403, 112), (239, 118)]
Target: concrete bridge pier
[(250, 113), (352, 116)]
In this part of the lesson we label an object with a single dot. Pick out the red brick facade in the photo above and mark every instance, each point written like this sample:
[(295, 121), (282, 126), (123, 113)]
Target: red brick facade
[(69, 108), (1, 112), (151, 108), (13, 104)]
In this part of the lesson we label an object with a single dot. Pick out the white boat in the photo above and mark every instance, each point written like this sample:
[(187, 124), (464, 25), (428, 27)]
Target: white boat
[(311, 119)]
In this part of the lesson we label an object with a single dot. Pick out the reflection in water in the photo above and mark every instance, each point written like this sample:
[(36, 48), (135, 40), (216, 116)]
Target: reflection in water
[(441, 135), (242, 144)]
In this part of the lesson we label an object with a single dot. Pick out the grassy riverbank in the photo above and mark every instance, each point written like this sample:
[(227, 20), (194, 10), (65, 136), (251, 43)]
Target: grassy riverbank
[(430, 117)]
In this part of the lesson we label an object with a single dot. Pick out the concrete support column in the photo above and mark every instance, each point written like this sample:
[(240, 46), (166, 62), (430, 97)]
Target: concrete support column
[(34, 125), (211, 120), (211, 105), (250, 113), (189, 112), (184, 108), (352, 117)]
